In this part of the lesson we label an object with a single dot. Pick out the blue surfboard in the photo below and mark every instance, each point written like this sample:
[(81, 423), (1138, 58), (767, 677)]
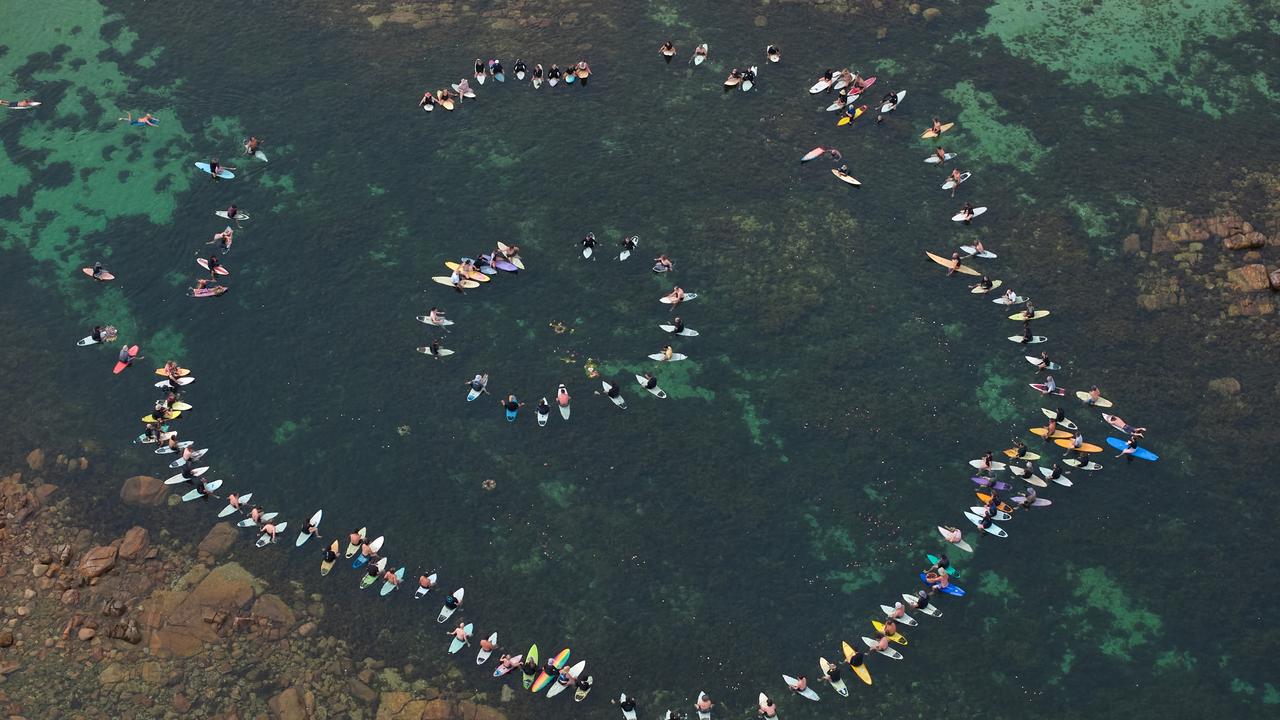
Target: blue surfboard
[(1138, 452), (223, 173), (951, 589)]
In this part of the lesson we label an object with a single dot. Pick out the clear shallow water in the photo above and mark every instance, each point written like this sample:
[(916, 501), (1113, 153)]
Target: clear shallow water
[(791, 484)]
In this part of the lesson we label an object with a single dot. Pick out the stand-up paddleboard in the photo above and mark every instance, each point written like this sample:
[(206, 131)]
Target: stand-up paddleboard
[(959, 217), (532, 656), (1084, 447), (990, 530), (887, 652), (368, 580), (564, 407), (388, 586), (626, 714), (473, 393), (897, 637), (890, 107), (426, 320), (702, 714), (987, 482), (133, 353), (314, 522), (353, 548), (447, 612), (684, 333), (1037, 315), (102, 276), (195, 494), (812, 154), (687, 297), (946, 263), (979, 290), (807, 693), (1000, 514), (1038, 502), (204, 263), (1035, 339), (933, 159), (421, 592), (974, 252), (1054, 413), (426, 350), (846, 177), (362, 559), (860, 670), (266, 540), (994, 465), (503, 670), (444, 280), (1036, 361), (1138, 452), (483, 656), (543, 416), (675, 357), (1056, 433), (179, 479), (231, 509), (194, 457), (951, 589), (820, 86), (557, 687), (927, 134), (327, 565), (223, 173), (1100, 402), (962, 544), (263, 518), (930, 610), (619, 401), (952, 183), (544, 679), (905, 619), (656, 391), (239, 215)]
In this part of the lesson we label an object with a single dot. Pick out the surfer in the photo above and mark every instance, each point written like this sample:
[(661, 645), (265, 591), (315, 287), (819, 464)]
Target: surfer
[(748, 76), (921, 600), (329, 555), (955, 180), (846, 77), (456, 280), (425, 582), (203, 490), (255, 514), (510, 253), (1050, 429), (966, 212), (882, 641), (1010, 297), (463, 88), (427, 102), (562, 397), (1130, 447), (268, 530), (251, 145), (530, 668), (392, 578), (479, 383), (662, 264), (704, 703), (434, 348), (102, 334), (147, 120), (1028, 497), (899, 610), (978, 249), (233, 500), (511, 404), (453, 603), (215, 168), (1026, 332), (486, 645), (940, 153), (554, 75), (936, 127), (1050, 385), (773, 53), (667, 49), (767, 708), (1094, 395), (435, 315), (700, 52), (520, 68), (309, 529), (213, 264), (799, 685), (479, 70), (98, 271), (124, 357), (355, 538), (952, 535), (544, 408), (985, 283), (1028, 312), (1019, 448), (495, 69), (675, 297), (371, 574), (835, 155), (366, 552), (537, 74), (613, 392), (171, 370), (629, 243), (1044, 361), (677, 326), (735, 76), (987, 457), (650, 382), (505, 663), (956, 263), (443, 96), (19, 104), (223, 238), (890, 628), (666, 353), (588, 243)]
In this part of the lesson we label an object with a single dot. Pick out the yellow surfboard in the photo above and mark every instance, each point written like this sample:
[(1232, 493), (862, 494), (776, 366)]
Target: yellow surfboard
[(846, 119), (171, 415), (944, 262), (846, 177), (473, 275), (1084, 447), (896, 637), (985, 497), (1056, 433), (1034, 316), (861, 670), (444, 280), (1013, 453), (182, 372)]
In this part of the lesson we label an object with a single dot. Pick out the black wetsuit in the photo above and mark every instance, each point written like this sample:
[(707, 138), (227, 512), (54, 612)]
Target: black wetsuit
[(613, 391), (651, 383)]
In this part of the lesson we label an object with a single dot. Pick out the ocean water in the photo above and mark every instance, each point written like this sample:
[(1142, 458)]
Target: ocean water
[(816, 436)]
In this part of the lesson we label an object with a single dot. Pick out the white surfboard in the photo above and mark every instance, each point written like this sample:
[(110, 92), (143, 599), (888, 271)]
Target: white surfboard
[(1036, 361), (265, 518), (444, 352), (820, 86), (627, 714), (421, 591), (1000, 514), (889, 653), (260, 155), (86, 341), (806, 693), (543, 417), (675, 357), (959, 217), (178, 479), (229, 509), (264, 540), (655, 390), (619, 401), (586, 253), (179, 382), (1035, 339), (888, 108), (973, 252), (952, 183), (991, 530), (1017, 300), (994, 465), (684, 333), (314, 522), (195, 494), (426, 320), (240, 215), (194, 457), (483, 656), (933, 159), (687, 298), (905, 619), (962, 544), (930, 610), (446, 612)]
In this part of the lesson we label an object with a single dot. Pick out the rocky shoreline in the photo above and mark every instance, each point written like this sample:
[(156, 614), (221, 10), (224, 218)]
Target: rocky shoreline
[(144, 626)]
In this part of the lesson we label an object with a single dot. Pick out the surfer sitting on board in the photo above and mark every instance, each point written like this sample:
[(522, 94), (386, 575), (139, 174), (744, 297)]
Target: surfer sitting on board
[(427, 100), (1010, 296), (125, 357), (675, 297), (953, 535), (663, 262), (936, 127), (224, 238), (425, 583), (955, 181), (589, 241), (1044, 362), (1019, 448), (251, 145), (956, 262), (966, 212), (391, 577), (667, 352), (940, 153), (629, 243), (773, 53), (20, 103), (268, 530), (700, 51), (800, 684), (984, 283), (1094, 395)]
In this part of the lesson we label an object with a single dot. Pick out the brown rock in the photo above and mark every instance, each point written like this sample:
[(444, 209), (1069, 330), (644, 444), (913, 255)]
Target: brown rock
[(143, 490), (35, 459), (1132, 244), (181, 703), (43, 491), (153, 673), (307, 629), (1250, 278), (1252, 307), (1274, 279), (360, 690), (113, 673), (931, 14), (1225, 386), (135, 542), (288, 705), (442, 710), (1186, 232), (87, 634), (97, 562), (1224, 225), (219, 540), (6, 638), (177, 620), (272, 609), (1244, 241), (70, 596)]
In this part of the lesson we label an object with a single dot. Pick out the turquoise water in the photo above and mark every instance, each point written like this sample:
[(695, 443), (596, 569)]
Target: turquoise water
[(816, 436)]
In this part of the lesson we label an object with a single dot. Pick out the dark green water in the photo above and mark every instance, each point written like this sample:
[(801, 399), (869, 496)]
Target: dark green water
[(816, 436)]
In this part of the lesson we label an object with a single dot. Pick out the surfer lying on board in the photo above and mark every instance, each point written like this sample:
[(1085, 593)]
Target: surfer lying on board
[(956, 262), (20, 103), (147, 120)]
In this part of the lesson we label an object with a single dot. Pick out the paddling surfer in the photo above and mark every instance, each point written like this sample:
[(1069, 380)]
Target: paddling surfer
[(146, 120), (613, 393), (98, 271)]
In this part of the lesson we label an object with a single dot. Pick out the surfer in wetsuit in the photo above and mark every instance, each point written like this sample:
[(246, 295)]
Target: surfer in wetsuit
[(543, 408), (1026, 332), (309, 529), (530, 668), (984, 283), (554, 74), (589, 241), (1044, 361), (427, 101), (511, 404), (1019, 448), (452, 602), (748, 76), (613, 391), (1029, 497), (677, 326), (329, 555), (213, 264), (519, 69), (629, 243)]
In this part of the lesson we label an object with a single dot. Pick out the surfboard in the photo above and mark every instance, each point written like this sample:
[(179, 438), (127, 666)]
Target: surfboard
[(946, 263), (327, 565), (179, 479), (1100, 402), (1036, 361), (444, 352), (890, 107), (557, 687), (952, 183), (483, 656), (195, 493), (223, 173), (421, 592), (974, 252), (684, 333), (1043, 389), (983, 291), (472, 392), (260, 155), (860, 670), (820, 86), (732, 81), (388, 586), (959, 217), (532, 656), (994, 465), (503, 670), (848, 118), (1056, 434), (675, 357), (927, 134), (194, 457), (990, 530), (263, 518), (240, 215), (473, 275), (204, 263), (205, 292), (846, 178), (897, 637), (962, 544), (1035, 339), (543, 416), (564, 409), (627, 714), (999, 515), (951, 589), (656, 391), (426, 320), (314, 522), (1084, 447), (816, 152), (446, 612), (1053, 413), (807, 693), (230, 509), (1013, 453), (466, 284), (1037, 315), (517, 261), (1076, 463), (544, 679), (990, 483), (587, 253), (265, 540), (133, 353), (1038, 502), (687, 297), (619, 401), (102, 276), (933, 159)]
